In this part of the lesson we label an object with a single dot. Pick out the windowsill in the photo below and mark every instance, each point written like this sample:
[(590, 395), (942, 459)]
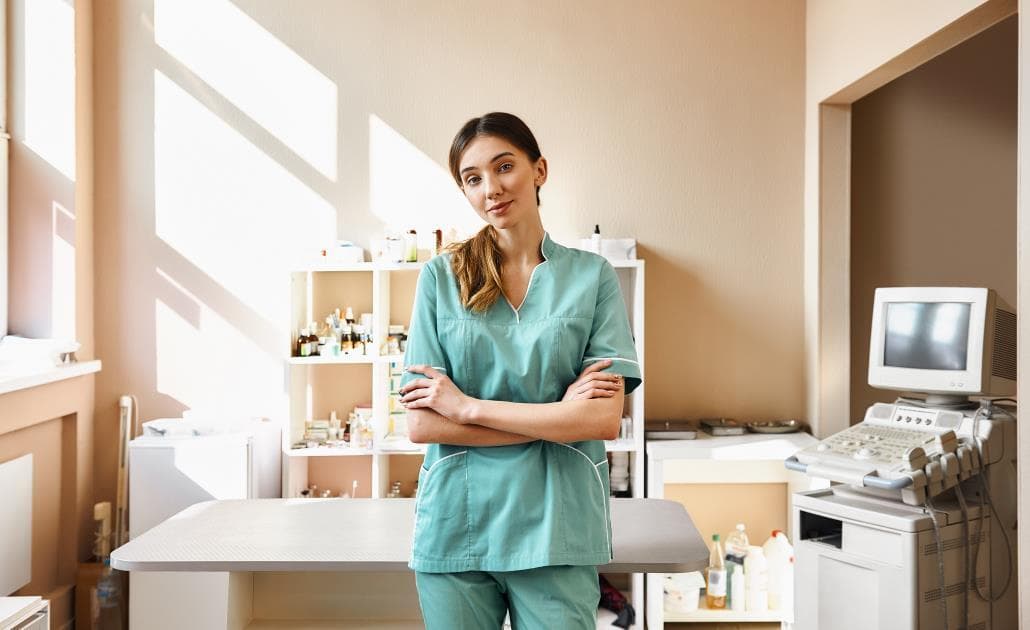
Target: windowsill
[(12, 382)]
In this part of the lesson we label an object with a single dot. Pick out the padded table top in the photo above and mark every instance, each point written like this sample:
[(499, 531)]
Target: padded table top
[(649, 535)]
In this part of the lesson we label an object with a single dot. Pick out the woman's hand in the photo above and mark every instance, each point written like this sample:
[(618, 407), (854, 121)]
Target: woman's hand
[(437, 392), (593, 383)]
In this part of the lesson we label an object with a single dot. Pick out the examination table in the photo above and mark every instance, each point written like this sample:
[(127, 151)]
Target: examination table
[(332, 563)]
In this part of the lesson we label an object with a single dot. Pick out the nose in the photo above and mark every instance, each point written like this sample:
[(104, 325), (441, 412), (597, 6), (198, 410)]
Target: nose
[(493, 187)]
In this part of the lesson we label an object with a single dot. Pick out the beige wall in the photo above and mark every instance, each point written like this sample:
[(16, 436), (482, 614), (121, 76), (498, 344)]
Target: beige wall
[(677, 123), (51, 278), (852, 48), (933, 184)]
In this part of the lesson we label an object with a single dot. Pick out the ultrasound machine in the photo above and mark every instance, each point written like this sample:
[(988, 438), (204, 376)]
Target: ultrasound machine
[(919, 532)]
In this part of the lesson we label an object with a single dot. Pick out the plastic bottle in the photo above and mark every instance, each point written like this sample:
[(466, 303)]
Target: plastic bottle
[(756, 580), (411, 246), (736, 549), (595, 240), (715, 593), (737, 586), (780, 555), (107, 612)]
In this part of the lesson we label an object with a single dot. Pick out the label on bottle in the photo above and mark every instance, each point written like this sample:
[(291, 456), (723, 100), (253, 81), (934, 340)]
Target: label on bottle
[(717, 582)]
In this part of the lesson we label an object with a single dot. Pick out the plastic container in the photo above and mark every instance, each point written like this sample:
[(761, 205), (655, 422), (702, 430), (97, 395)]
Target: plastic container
[(756, 580), (737, 585), (682, 591), (780, 556), (736, 550), (715, 593)]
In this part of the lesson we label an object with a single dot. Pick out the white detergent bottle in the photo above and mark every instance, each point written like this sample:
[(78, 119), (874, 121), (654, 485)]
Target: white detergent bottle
[(736, 549), (780, 555), (737, 586), (756, 580)]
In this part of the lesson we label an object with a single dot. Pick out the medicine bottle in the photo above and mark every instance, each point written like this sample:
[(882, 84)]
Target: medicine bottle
[(346, 343), (411, 246)]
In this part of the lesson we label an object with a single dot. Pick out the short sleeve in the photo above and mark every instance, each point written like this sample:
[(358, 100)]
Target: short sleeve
[(610, 334), (423, 346)]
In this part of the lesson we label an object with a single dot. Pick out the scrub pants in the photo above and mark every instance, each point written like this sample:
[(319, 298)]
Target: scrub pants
[(544, 598)]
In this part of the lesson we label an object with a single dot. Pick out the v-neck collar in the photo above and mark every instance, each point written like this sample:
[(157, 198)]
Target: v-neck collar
[(546, 250)]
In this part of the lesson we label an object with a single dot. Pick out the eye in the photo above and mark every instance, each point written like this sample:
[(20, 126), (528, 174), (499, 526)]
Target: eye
[(507, 166), (472, 181)]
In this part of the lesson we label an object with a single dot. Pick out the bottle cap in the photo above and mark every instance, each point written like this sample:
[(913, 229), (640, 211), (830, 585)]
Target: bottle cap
[(715, 537), (740, 527)]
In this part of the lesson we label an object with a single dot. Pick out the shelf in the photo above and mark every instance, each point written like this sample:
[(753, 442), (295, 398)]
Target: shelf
[(347, 359), (334, 451), (319, 267), (352, 359), (403, 448), (14, 380), (328, 451), (713, 615), (614, 446)]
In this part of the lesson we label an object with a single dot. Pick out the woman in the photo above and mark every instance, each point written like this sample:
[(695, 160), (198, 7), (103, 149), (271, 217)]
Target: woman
[(518, 360)]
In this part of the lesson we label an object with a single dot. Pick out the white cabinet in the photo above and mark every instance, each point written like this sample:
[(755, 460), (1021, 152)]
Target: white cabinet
[(745, 459), (318, 385), (24, 613)]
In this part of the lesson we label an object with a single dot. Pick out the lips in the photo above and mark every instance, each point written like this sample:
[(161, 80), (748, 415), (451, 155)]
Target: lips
[(499, 208)]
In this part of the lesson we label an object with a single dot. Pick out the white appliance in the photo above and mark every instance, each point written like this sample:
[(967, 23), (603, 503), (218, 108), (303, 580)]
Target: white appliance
[(922, 536), (16, 524), (24, 613), (177, 463), (867, 552)]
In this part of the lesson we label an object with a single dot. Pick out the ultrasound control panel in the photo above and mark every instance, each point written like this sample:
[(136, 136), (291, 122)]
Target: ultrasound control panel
[(891, 440)]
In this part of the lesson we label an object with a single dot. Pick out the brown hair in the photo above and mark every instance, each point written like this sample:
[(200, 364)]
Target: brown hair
[(477, 261)]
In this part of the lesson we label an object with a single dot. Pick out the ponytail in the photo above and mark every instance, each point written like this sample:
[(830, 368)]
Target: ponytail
[(477, 266)]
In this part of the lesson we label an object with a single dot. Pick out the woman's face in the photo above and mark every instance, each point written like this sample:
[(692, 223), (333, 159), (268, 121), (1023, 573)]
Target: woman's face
[(499, 181)]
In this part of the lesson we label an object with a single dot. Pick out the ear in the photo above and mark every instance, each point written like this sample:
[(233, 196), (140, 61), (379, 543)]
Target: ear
[(540, 171)]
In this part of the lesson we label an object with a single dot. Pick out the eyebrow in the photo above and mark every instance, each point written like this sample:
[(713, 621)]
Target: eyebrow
[(494, 159)]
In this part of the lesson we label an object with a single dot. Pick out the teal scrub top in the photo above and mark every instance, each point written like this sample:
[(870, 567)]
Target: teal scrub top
[(509, 508)]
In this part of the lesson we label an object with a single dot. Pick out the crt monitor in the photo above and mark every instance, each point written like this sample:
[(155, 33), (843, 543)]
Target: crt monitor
[(955, 341)]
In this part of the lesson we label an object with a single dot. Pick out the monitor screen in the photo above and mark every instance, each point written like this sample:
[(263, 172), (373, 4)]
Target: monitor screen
[(926, 335)]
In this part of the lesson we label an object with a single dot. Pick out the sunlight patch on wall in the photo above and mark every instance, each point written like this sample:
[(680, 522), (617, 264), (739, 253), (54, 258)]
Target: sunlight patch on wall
[(256, 72), (62, 281), (232, 211), (407, 189), (213, 366), (50, 82)]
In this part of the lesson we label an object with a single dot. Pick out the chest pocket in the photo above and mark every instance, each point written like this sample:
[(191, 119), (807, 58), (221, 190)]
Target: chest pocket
[(516, 362)]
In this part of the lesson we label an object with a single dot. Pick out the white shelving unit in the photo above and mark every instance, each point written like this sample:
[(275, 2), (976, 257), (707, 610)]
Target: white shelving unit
[(387, 291), (747, 459)]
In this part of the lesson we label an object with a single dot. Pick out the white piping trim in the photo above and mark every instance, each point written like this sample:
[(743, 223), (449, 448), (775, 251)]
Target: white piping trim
[(608, 534), (530, 285), (435, 367), (424, 474), (590, 359), (430, 469), (600, 463)]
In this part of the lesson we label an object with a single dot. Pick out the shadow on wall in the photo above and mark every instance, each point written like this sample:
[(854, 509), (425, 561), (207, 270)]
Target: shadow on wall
[(248, 166)]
